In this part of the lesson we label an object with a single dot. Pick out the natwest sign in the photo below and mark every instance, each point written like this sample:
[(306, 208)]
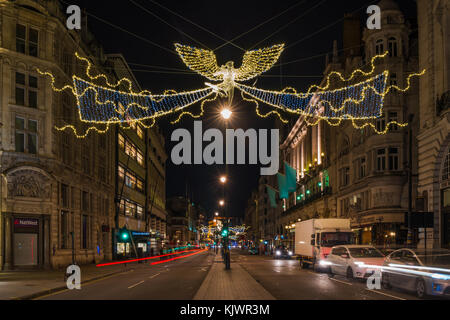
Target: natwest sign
[(26, 225)]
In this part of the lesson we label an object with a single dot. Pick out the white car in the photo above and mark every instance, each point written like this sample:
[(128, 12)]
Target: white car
[(354, 261)]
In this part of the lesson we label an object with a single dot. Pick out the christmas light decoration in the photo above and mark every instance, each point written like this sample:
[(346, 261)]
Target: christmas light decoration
[(116, 103)]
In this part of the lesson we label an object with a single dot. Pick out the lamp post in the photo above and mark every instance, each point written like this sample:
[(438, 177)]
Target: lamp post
[(226, 115)]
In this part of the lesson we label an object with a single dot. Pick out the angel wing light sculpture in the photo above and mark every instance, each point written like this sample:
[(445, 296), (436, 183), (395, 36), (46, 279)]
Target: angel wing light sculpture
[(107, 104)]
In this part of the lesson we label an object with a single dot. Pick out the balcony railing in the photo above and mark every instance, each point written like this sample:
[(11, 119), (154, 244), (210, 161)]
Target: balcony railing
[(309, 199)]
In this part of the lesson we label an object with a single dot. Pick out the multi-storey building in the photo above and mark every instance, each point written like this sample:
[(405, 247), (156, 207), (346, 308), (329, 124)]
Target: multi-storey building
[(433, 137), (183, 220), (56, 191), (261, 217), (355, 173), (140, 183)]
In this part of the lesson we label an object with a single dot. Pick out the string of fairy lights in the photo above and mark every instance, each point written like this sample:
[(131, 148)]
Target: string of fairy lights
[(106, 104)]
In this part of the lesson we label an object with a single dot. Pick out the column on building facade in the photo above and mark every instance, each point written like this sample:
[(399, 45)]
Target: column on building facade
[(8, 245)]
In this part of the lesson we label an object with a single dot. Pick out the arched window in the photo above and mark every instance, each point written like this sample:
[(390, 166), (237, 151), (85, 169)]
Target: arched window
[(393, 47), (379, 47), (446, 167)]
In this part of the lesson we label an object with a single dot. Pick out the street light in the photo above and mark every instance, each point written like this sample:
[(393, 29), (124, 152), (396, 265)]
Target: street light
[(217, 214), (226, 113), (223, 179), (222, 203)]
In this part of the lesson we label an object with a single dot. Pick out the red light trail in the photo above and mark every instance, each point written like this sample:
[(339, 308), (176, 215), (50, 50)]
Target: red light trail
[(140, 259), (185, 256)]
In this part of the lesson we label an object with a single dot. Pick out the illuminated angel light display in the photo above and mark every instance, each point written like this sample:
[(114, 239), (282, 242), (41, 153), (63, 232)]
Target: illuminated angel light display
[(105, 105)]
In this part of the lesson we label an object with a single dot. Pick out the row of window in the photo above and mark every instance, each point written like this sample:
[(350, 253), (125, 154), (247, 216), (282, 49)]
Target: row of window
[(386, 159), (131, 150), (131, 179), (392, 46), (67, 226), (390, 116), (131, 209), (67, 201)]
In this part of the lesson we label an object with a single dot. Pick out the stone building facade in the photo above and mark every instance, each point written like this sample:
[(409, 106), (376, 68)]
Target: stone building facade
[(56, 191), (433, 137), (354, 173)]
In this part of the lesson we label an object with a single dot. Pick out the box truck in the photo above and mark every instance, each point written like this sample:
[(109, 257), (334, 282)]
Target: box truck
[(315, 237)]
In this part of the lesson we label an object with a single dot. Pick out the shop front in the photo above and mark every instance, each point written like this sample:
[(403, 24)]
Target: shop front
[(380, 229), (132, 243), (26, 241), (25, 220)]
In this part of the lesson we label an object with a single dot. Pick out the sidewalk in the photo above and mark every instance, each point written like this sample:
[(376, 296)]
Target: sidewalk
[(32, 284), (234, 284)]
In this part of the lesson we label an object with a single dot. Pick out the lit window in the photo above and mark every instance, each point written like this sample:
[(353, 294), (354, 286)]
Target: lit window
[(140, 185), (140, 158), (140, 132), (121, 141), (121, 172)]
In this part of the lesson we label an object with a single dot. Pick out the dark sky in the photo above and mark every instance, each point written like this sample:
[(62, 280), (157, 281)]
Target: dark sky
[(308, 28)]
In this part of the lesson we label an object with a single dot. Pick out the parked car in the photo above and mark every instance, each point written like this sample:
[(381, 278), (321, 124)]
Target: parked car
[(353, 261), (253, 250), (282, 252), (425, 272)]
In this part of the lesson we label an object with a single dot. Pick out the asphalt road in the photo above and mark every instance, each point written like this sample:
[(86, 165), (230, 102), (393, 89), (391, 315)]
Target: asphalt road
[(173, 280), (180, 280), (284, 279)]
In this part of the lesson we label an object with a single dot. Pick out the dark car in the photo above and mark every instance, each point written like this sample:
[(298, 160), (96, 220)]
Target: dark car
[(282, 252)]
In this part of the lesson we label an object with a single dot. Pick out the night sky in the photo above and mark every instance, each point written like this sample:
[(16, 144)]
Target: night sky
[(307, 28)]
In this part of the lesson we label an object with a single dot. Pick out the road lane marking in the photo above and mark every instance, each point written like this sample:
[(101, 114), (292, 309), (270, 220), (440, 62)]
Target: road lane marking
[(134, 285), (88, 282), (386, 294), (348, 283), (151, 277)]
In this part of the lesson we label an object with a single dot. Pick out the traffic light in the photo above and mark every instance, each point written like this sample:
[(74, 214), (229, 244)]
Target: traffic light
[(224, 233), (123, 235)]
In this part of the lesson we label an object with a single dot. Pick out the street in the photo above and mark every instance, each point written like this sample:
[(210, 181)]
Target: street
[(182, 278), (286, 281), (172, 280)]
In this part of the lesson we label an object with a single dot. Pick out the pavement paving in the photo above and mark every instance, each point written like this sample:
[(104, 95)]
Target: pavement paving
[(30, 284), (232, 284)]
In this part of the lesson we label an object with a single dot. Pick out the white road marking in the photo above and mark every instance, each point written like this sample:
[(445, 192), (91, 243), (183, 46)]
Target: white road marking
[(341, 281), (386, 294), (134, 285), (151, 277)]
